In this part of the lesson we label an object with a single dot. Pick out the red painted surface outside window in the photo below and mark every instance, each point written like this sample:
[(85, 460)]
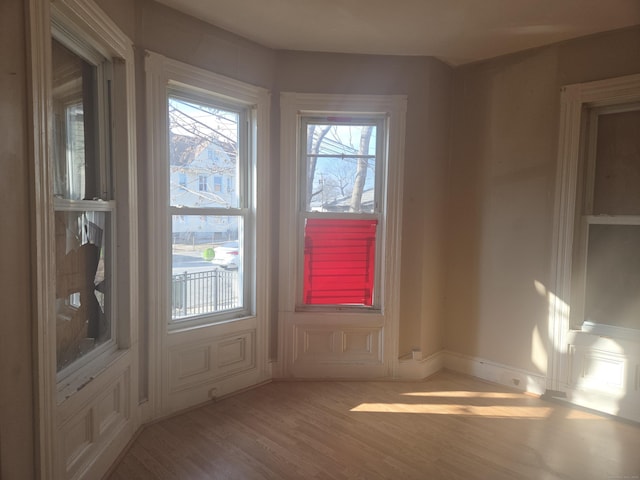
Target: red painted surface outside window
[(339, 261)]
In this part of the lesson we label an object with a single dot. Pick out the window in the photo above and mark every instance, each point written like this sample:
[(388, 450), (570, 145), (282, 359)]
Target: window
[(182, 179), (202, 183), (83, 204), (217, 184), (211, 231), (342, 167), (606, 263), (340, 224)]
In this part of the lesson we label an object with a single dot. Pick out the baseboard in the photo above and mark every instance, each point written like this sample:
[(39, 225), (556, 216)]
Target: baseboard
[(411, 369), (494, 372)]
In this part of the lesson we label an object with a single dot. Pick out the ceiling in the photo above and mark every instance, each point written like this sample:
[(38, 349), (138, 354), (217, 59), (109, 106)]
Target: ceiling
[(455, 31)]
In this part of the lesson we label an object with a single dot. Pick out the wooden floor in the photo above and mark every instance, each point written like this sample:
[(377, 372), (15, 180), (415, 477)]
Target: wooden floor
[(449, 426)]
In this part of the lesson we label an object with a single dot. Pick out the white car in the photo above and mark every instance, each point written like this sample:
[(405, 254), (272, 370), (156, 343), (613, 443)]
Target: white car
[(227, 255)]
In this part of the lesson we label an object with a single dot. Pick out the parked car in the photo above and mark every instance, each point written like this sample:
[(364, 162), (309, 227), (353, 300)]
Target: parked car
[(227, 255)]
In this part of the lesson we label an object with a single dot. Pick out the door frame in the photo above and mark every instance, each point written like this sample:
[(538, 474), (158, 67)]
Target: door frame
[(575, 102)]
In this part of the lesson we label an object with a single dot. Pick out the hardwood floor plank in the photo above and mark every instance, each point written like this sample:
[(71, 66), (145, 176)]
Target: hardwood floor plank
[(447, 427)]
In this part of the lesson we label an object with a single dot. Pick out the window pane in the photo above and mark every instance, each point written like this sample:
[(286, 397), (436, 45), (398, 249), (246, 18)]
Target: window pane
[(617, 175), (339, 262), (613, 275), (340, 168), (207, 264), (83, 283), (76, 172), (203, 155)]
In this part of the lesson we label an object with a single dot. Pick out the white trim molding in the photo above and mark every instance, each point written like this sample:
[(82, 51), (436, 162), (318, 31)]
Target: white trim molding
[(414, 369), (495, 372), (488, 370), (81, 432)]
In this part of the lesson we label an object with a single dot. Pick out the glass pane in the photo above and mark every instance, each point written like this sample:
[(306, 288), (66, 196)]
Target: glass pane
[(617, 178), (613, 275), (341, 168), (76, 172), (203, 155), (83, 283), (207, 264)]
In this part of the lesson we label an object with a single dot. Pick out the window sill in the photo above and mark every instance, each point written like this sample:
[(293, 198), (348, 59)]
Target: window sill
[(78, 380), (198, 323), (333, 309)]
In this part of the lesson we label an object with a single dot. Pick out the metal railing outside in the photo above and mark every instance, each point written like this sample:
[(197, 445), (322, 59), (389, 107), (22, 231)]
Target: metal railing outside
[(199, 293)]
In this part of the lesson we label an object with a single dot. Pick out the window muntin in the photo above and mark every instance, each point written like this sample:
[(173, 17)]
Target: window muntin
[(342, 161), (208, 139), (84, 211)]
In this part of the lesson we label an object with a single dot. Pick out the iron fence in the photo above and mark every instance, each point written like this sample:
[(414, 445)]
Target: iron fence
[(204, 292)]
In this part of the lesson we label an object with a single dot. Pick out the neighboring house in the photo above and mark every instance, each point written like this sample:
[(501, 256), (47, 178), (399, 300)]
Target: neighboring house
[(343, 204), (202, 175)]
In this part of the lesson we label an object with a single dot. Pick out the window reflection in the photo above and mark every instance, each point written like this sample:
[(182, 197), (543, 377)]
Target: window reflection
[(82, 283), (75, 173)]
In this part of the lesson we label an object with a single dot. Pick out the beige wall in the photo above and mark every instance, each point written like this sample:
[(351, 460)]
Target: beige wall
[(16, 376), (491, 205), (425, 81), (501, 192), (160, 29)]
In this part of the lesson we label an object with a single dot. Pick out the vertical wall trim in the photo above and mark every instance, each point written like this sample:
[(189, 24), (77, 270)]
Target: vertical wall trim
[(39, 46)]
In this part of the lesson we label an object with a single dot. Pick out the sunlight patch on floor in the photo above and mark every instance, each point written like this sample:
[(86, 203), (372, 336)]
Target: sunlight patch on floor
[(492, 411), (463, 394)]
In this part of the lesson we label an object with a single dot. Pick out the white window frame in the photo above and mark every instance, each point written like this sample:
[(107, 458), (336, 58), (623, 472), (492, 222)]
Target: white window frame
[(575, 101), (293, 106), (105, 51), (380, 120), (245, 167), (165, 76), (585, 218), (81, 23), (85, 50)]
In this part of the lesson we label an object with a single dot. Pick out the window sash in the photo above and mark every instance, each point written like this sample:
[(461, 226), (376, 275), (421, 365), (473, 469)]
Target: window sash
[(374, 301), (97, 194), (587, 216), (107, 245), (243, 211), (355, 120)]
